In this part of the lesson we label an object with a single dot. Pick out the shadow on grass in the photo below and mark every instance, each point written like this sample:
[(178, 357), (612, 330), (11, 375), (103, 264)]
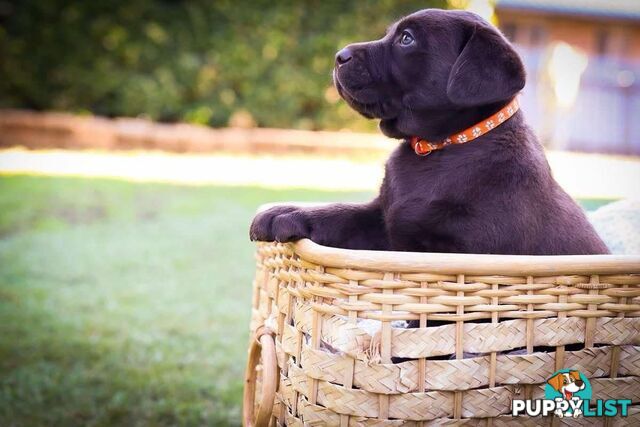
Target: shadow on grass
[(58, 376)]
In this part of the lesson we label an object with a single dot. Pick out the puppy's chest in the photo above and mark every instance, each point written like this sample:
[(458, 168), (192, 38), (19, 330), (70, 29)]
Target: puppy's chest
[(412, 183), (409, 176)]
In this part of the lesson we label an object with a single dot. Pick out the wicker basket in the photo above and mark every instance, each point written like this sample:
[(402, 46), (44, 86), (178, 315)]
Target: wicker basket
[(325, 347)]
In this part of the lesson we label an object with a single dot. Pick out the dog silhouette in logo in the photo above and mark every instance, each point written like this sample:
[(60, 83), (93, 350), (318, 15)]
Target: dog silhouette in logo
[(567, 384)]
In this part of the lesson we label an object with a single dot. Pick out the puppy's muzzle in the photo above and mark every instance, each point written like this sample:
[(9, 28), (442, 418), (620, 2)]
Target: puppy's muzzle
[(351, 69)]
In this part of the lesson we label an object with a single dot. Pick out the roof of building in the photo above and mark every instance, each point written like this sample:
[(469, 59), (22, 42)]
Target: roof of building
[(614, 9)]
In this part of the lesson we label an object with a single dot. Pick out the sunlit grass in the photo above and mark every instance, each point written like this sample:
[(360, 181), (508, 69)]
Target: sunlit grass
[(581, 175), (125, 303)]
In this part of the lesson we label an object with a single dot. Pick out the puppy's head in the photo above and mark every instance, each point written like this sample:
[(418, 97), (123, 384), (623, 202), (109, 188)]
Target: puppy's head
[(428, 65), (569, 381)]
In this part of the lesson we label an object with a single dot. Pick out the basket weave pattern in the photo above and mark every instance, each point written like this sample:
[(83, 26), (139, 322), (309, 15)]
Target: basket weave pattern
[(338, 348)]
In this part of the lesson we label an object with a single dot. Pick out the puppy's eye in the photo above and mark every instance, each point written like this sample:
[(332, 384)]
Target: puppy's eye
[(406, 38)]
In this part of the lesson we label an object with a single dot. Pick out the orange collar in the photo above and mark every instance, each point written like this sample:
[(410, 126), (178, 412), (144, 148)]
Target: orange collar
[(422, 147)]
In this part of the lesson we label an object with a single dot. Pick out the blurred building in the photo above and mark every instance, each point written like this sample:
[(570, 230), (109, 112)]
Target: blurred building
[(583, 64)]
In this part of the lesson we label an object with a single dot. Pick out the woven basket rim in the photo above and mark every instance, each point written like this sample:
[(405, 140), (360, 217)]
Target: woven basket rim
[(480, 264)]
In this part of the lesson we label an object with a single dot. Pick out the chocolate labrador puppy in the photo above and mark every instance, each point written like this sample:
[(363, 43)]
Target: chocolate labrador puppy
[(434, 74)]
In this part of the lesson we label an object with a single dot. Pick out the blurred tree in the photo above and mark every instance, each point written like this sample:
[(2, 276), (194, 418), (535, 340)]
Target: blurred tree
[(200, 61)]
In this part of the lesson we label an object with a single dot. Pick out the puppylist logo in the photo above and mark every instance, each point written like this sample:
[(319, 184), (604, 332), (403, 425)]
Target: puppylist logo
[(568, 394)]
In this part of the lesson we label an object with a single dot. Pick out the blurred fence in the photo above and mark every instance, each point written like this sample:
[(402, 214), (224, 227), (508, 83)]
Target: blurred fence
[(60, 130)]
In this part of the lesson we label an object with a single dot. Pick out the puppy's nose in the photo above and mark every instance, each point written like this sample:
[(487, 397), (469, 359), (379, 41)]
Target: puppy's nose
[(579, 383), (343, 56)]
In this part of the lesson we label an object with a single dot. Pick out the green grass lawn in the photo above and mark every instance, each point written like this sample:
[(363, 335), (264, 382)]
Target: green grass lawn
[(125, 303)]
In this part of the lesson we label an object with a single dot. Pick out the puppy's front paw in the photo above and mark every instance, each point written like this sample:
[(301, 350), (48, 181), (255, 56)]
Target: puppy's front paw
[(280, 224)]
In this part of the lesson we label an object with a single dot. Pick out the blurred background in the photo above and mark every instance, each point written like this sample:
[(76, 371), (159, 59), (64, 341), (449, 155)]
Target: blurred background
[(138, 137)]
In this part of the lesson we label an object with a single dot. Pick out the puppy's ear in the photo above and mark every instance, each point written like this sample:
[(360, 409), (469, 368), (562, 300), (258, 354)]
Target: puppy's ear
[(487, 70), (575, 375), (555, 382)]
